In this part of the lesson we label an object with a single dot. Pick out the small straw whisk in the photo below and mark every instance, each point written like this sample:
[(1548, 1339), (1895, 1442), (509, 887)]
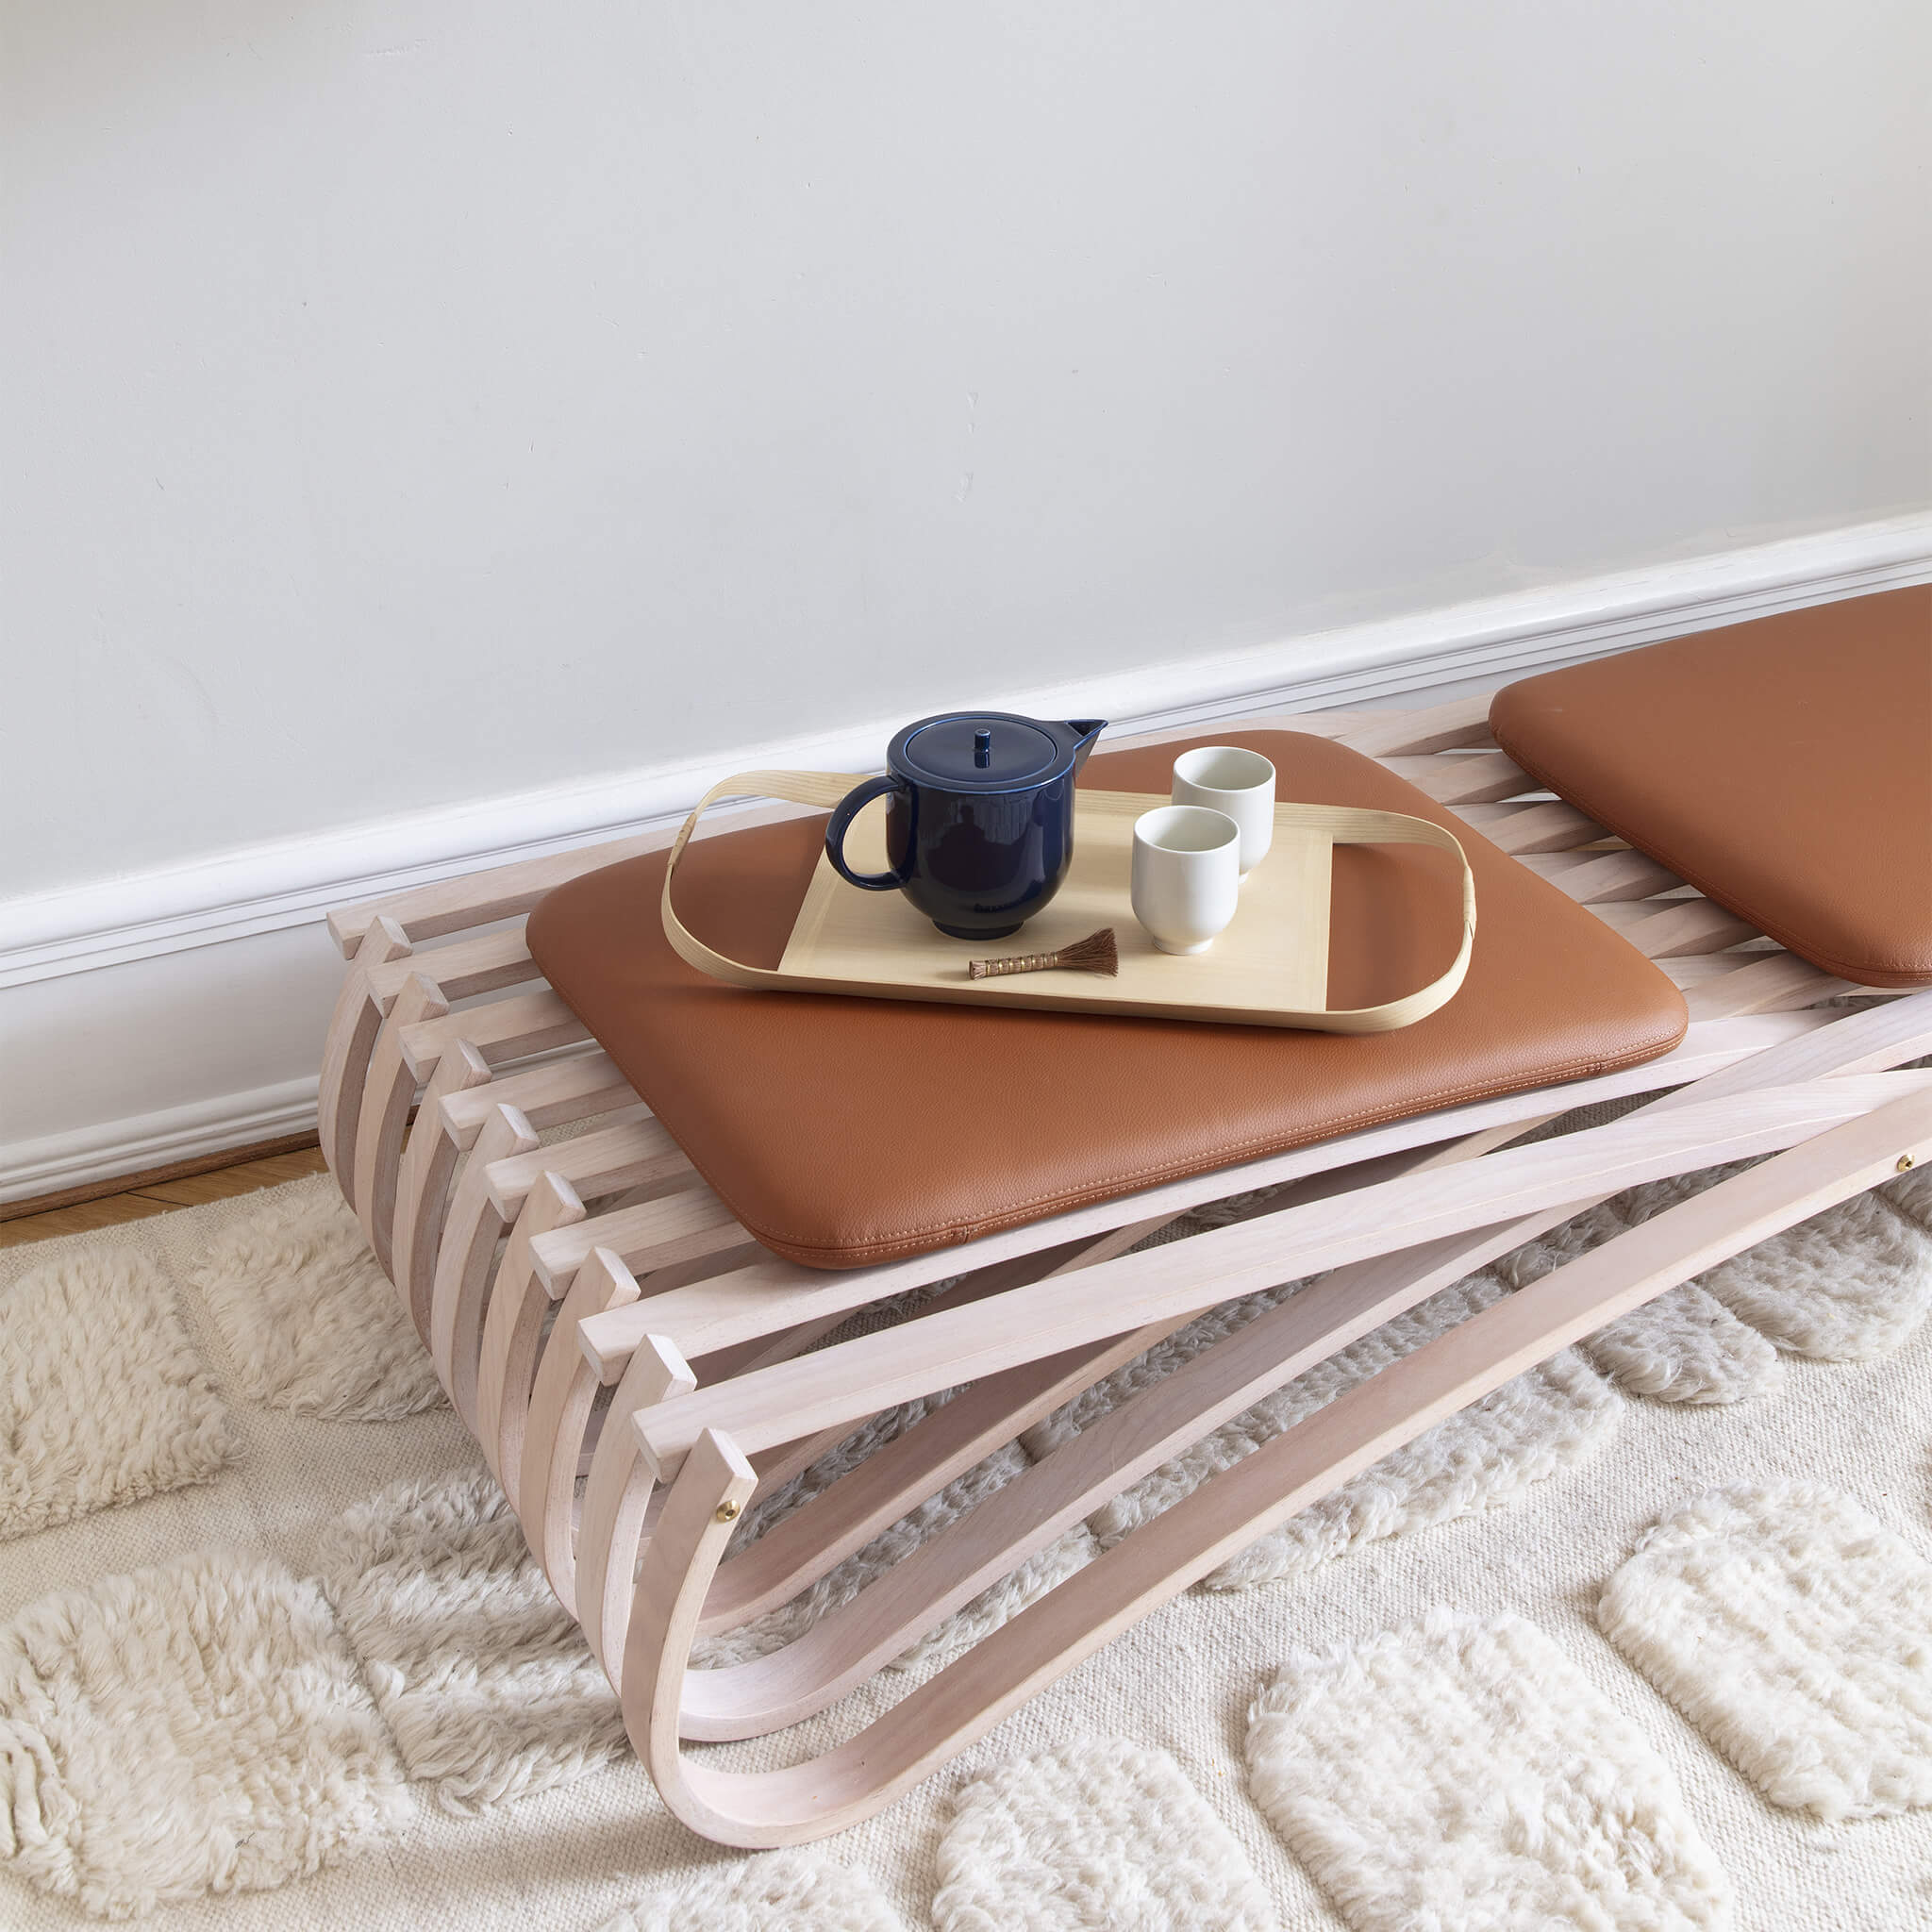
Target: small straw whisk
[(1096, 953)]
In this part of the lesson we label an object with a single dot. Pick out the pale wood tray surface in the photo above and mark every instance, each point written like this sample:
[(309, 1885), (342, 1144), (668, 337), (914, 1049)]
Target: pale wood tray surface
[(1273, 955)]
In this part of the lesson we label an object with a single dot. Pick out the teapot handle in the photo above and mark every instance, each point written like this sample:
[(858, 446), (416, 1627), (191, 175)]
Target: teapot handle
[(843, 813)]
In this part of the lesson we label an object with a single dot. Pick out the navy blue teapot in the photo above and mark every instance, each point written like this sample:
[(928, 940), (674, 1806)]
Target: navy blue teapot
[(979, 822)]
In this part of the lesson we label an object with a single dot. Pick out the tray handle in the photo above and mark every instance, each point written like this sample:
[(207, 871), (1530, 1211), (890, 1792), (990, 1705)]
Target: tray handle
[(1347, 825), (826, 790), (1359, 824)]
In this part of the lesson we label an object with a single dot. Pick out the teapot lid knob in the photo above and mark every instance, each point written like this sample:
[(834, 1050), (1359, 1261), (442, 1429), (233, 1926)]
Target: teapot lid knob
[(984, 751)]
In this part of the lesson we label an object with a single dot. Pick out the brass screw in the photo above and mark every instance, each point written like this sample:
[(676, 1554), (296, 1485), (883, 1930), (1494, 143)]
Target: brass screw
[(727, 1512), (1905, 1161)]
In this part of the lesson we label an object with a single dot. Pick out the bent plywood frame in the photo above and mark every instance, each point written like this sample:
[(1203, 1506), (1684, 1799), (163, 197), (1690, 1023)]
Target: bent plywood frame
[(686, 1371)]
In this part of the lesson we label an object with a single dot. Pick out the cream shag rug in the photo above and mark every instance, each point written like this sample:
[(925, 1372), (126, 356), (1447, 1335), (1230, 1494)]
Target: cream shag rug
[(272, 1655), (1101, 1832), (1795, 1632), (72, 1331), (1463, 1771)]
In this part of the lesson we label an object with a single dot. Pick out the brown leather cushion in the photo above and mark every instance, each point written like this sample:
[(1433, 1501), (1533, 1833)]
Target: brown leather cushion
[(844, 1131), (1782, 767)]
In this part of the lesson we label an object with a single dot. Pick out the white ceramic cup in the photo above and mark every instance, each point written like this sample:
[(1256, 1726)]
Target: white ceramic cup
[(1224, 778), (1187, 880)]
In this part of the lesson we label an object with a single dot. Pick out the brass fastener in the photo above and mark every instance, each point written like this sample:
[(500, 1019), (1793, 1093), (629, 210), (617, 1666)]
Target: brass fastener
[(727, 1512), (1905, 1161)]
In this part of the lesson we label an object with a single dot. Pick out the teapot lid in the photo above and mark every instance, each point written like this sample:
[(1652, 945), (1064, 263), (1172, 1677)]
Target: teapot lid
[(978, 751)]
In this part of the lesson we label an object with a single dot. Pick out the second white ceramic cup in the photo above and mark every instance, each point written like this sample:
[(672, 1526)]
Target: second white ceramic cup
[(1225, 778), (1186, 877)]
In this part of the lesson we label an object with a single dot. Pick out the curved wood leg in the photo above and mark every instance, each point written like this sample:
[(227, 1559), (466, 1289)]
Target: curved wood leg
[(917, 1464), (845, 1385), (561, 1405), (430, 1162), (961, 1703), (844, 1648), (739, 1304), (353, 1027), (822, 1532), (471, 1232), (1044, 1501), (387, 1090), (616, 1500), (843, 1518), (512, 1328), (1360, 1296)]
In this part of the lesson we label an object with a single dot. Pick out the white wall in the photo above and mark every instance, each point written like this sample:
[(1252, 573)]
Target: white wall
[(423, 400), (470, 422)]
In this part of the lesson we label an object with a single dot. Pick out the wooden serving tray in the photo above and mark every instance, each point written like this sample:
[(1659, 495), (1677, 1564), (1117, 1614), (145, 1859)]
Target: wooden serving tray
[(1268, 968)]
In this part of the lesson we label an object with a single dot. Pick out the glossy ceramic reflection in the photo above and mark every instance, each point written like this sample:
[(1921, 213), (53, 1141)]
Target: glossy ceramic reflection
[(1186, 875), (980, 818)]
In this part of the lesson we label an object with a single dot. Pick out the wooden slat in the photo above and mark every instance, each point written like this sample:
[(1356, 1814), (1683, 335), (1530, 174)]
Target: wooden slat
[(616, 1499), (1365, 1294), (389, 1089), (628, 1154), (855, 1379), (895, 1479), (1763, 983), (510, 892), (560, 1402), (471, 1232), (950, 1568), (508, 1029), (1596, 878), (1671, 928), (919, 1592), (484, 964), (352, 1035), (774, 1295), (1279, 1479), (481, 898), (426, 1168), (1696, 969), (512, 1330), (1475, 779), (1519, 828), (1826, 1044), (547, 1096), (655, 1234)]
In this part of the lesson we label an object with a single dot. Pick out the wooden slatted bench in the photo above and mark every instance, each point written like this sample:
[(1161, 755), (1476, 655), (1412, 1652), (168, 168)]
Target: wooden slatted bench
[(684, 1367)]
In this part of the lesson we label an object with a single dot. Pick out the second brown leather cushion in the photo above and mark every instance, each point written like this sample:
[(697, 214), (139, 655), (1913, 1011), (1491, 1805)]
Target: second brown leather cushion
[(1782, 767), (846, 1131)]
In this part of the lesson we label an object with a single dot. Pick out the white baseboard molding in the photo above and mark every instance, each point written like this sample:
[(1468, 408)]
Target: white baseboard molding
[(106, 943), (291, 882), (89, 1154)]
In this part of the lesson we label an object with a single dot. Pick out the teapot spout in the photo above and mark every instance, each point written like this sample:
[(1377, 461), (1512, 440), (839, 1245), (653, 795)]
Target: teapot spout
[(1085, 731)]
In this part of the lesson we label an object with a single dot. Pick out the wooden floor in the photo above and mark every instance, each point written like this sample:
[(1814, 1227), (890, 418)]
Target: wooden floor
[(146, 1197)]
